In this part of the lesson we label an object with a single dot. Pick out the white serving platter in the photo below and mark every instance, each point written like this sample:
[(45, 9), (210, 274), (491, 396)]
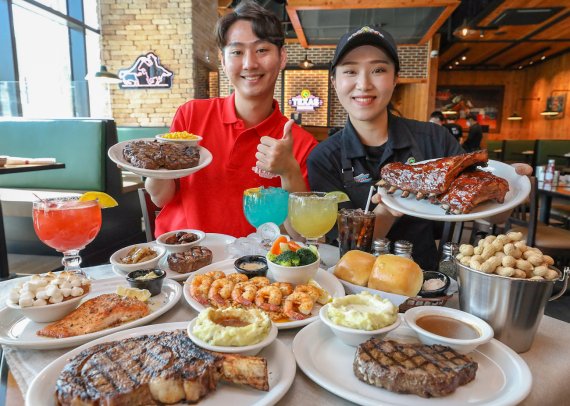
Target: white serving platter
[(116, 155), (280, 364), (19, 331), (327, 281), (519, 188)]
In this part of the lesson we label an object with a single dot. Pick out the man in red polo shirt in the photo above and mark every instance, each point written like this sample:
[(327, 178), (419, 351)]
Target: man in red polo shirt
[(241, 131)]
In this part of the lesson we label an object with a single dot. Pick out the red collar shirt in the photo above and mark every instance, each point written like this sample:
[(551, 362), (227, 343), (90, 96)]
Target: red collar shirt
[(211, 198)]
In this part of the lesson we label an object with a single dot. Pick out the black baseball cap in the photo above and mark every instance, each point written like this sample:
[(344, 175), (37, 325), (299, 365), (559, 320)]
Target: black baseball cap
[(366, 35)]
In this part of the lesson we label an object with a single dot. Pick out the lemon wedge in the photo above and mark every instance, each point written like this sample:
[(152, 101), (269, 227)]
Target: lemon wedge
[(105, 201), (341, 197), (325, 296), (252, 191), (141, 294)]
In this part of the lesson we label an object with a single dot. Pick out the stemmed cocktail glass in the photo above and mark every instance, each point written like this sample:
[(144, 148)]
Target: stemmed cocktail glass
[(312, 214), (265, 205), (67, 225)]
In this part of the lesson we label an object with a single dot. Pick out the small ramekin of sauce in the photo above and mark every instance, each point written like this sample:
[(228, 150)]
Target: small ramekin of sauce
[(251, 265), (446, 326), (150, 279), (435, 284)]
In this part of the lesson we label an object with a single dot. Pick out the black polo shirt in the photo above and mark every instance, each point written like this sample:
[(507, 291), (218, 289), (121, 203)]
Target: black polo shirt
[(341, 163)]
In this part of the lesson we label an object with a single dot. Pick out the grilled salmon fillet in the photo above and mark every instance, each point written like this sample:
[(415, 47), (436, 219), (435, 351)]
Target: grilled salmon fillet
[(156, 369), (96, 314)]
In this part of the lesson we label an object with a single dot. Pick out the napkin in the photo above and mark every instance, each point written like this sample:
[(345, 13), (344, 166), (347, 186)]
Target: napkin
[(14, 160)]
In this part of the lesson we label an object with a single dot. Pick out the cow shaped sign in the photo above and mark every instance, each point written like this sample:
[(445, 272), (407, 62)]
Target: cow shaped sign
[(146, 72)]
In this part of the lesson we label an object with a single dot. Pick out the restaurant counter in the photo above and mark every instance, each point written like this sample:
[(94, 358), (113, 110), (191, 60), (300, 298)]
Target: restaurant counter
[(547, 359)]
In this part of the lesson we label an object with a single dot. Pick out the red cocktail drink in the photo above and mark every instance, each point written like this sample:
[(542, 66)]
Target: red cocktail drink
[(67, 225)]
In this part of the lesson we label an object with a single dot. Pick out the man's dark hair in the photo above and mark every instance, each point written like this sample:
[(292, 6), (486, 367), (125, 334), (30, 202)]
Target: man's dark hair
[(471, 116), (264, 23), (437, 114)]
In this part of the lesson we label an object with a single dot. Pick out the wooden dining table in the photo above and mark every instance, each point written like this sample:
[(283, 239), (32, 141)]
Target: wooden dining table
[(547, 358), (546, 193), (5, 170)]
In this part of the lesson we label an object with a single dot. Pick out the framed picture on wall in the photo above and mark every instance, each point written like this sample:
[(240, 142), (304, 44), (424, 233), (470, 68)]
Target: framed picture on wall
[(485, 101), (556, 102)]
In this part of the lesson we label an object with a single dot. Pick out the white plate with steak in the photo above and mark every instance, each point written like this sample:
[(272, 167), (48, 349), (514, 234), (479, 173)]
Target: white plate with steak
[(19, 331), (519, 188), (502, 376), (175, 356), (116, 154), (216, 243), (326, 280)]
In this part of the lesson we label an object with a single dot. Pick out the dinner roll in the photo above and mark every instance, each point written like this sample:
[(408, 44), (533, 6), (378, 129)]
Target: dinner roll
[(355, 267), (395, 274)]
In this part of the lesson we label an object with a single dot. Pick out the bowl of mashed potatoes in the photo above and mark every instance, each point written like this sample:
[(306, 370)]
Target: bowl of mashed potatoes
[(232, 330), (356, 318)]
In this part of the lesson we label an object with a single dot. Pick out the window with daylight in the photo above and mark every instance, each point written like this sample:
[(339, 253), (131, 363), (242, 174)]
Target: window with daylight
[(49, 46)]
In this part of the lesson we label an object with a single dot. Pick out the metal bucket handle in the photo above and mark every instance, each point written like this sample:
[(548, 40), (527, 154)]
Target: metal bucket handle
[(564, 277)]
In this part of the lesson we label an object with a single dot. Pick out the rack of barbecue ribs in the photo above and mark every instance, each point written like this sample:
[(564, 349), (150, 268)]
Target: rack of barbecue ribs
[(471, 188), (434, 180)]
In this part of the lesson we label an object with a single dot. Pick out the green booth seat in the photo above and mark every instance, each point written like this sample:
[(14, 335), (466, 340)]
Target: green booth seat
[(552, 149), (513, 151), (82, 145), (495, 149)]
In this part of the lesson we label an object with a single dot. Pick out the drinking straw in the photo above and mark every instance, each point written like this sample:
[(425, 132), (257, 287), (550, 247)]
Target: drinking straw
[(369, 198)]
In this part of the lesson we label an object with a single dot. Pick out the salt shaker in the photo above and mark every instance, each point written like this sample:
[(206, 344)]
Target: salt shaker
[(403, 248), (447, 263), (380, 246)]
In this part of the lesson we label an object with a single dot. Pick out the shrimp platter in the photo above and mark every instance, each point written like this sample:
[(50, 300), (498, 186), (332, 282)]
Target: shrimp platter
[(282, 301)]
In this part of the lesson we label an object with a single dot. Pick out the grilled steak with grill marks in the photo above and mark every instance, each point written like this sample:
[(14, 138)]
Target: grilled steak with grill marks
[(191, 260), (160, 155), (423, 370), (152, 370)]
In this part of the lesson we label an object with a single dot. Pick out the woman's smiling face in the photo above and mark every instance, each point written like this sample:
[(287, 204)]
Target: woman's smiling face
[(364, 81)]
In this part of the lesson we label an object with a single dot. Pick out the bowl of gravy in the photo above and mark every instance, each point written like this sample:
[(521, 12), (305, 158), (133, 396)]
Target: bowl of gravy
[(450, 327)]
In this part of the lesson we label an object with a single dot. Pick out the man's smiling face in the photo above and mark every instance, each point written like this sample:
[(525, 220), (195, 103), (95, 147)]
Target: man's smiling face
[(251, 64)]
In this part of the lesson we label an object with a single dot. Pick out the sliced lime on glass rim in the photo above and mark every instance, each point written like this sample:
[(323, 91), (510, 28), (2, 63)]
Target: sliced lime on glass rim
[(341, 197)]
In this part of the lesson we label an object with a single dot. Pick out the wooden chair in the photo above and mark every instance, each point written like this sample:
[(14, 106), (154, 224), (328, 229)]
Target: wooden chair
[(149, 211), (553, 241)]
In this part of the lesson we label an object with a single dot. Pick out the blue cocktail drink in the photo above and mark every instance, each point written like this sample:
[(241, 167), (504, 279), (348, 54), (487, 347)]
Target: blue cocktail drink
[(264, 205)]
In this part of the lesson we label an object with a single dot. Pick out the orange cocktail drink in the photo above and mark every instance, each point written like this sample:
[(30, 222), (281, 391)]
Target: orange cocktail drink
[(67, 225)]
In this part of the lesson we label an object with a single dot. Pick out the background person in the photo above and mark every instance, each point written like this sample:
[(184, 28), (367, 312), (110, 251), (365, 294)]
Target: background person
[(437, 117), (242, 131), (454, 128), (475, 135)]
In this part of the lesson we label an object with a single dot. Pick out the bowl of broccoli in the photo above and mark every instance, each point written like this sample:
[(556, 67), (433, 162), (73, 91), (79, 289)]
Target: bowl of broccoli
[(294, 266)]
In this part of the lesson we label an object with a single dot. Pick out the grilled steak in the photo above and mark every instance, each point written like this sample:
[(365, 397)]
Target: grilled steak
[(189, 261), (160, 155), (152, 370), (424, 370), (96, 314)]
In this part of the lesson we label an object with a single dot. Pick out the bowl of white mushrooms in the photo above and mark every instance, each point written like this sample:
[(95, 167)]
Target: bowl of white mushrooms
[(49, 297)]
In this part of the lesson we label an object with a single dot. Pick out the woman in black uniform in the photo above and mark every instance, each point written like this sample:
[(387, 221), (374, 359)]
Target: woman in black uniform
[(364, 73)]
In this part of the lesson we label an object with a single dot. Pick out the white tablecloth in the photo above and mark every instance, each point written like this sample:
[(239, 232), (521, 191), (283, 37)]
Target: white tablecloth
[(548, 358)]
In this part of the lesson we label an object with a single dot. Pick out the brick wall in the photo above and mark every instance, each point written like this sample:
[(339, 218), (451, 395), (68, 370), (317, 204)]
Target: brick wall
[(180, 33)]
